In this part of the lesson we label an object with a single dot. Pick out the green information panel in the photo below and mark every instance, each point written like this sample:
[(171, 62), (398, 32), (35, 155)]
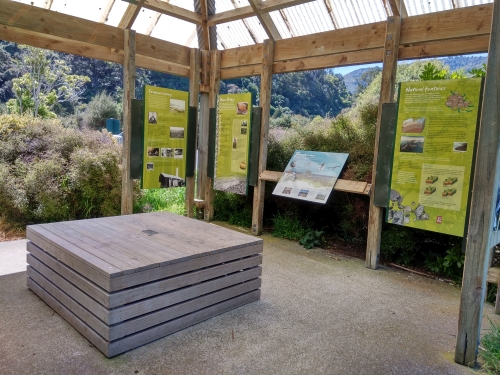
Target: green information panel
[(433, 154), (232, 142), (165, 137)]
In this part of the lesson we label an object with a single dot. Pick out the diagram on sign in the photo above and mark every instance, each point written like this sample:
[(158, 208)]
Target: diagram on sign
[(311, 175)]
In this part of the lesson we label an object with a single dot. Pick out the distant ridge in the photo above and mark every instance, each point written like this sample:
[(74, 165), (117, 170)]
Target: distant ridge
[(454, 62)]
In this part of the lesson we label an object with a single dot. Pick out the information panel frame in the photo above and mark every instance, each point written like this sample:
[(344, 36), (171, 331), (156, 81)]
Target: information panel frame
[(165, 137), (434, 152), (232, 142)]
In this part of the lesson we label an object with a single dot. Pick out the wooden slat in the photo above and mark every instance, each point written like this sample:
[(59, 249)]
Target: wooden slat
[(80, 244), (71, 318), (329, 61), (129, 73), (162, 50), (241, 56), (265, 102), (148, 290), (208, 210), (239, 72), (68, 253), (387, 91), (474, 44), (129, 295), (449, 24), (91, 312), (73, 29), (494, 275), (357, 187), (480, 236), (330, 42), (37, 256), (173, 269), (162, 330), (93, 51), (188, 306)]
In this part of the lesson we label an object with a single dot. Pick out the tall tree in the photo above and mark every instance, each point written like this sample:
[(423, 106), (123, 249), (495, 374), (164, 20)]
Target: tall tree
[(43, 80)]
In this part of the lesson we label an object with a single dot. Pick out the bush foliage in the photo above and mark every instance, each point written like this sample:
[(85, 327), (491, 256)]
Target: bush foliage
[(51, 173)]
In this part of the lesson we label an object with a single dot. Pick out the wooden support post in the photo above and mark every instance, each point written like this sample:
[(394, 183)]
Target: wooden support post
[(194, 92), (212, 100), (202, 140), (128, 95), (266, 78), (480, 236), (387, 90)]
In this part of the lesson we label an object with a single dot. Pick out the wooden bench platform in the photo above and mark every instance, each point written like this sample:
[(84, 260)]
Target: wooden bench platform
[(128, 280)]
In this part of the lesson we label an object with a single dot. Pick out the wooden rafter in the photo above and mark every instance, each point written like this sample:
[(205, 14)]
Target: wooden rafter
[(106, 11), (174, 11), (265, 20), (48, 4), (395, 5), (248, 11), (204, 26), (287, 23), (152, 24), (249, 29), (330, 13), (130, 15)]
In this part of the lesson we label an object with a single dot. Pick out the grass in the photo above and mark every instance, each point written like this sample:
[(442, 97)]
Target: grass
[(171, 200), (490, 350)]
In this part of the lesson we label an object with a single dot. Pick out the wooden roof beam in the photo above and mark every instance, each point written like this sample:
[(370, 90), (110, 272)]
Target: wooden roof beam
[(130, 15), (395, 7), (204, 26), (329, 8), (107, 11), (265, 20), (173, 11), (248, 11), (153, 23)]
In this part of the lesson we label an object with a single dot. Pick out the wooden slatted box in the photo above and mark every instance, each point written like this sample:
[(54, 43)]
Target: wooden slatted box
[(128, 280)]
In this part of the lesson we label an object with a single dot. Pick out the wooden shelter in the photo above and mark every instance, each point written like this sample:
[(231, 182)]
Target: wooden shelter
[(279, 36)]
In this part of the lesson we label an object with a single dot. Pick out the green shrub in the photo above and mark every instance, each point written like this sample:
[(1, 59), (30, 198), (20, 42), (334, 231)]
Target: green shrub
[(51, 173), (289, 226), (233, 208), (101, 107), (399, 244), (490, 350)]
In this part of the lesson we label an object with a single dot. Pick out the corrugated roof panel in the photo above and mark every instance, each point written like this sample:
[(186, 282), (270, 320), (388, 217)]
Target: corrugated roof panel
[(467, 3), (280, 24), (350, 13), (143, 20), (117, 12), (92, 10), (225, 5), (417, 7), (234, 34), (174, 30), (256, 28), (306, 19)]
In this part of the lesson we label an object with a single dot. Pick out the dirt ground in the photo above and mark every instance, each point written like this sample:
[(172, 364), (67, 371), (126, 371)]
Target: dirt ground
[(10, 233)]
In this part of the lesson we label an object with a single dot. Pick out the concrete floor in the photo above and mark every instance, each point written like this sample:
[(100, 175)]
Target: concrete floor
[(319, 314)]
